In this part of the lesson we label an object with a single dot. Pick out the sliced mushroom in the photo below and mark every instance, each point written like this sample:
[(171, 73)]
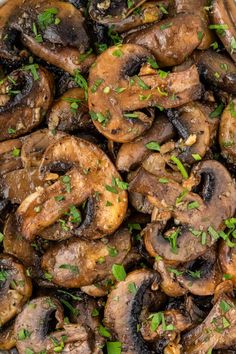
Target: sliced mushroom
[(227, 133), (109, 12), (91, 175), (15, 244), (193, 7), (119, 115), (7, 338), (192, 125), (171, 40), (191, 226), (10, 156), (227, 259), (30, 98), (224, 16), (147, 13), (131, 154), (33, 323), (77, 263), (15, 289), (217, 69), (129, 305), (35, 144), (201, 276), (216, 331), (61, 39), (70, 112)]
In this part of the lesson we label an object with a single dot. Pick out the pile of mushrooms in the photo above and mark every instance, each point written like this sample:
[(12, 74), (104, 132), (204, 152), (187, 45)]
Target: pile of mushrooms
[(117, 176)]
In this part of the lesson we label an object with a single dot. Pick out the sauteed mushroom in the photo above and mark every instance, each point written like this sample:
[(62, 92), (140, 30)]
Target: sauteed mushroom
[(30, 92), (54, 31), (224, 18), (108, 201), (118, 115), (216, 331), (34, 332), (171, 40), (15, 290), (78, 263), (190, 224), (129, 306), (70, 112), (130, 154), (7, 338)]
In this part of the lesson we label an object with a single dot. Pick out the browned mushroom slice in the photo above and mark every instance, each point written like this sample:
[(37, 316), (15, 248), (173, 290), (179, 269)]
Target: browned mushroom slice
[(171, 40), (10, 159), (227, 133), (91, 175), (78, 263), (7, 338), (201, 276), (192, 125), (118, 98), (149, 12), (131, 154), (169, 284), (195, 227), (35, 144), (70, 112), (217, 69), (109, 12), (175, 322), (17, 185), (129, 308), (30, 90), (33, 324), (224, 19), (15, 244), (54, 31), (193, 7), (216, 331), (15, 287), (227, 259), (8, 50)]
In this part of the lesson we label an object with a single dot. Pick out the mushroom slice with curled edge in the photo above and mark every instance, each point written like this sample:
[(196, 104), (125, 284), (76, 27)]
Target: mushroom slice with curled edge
[(70, 112), (224, 19), (110, 12), (118, 98), (196, 226), (7, 337), (30, 93), (128, 304), (171, 40), (35, 144), (131, 154), (201, 276), (77, 263), (54, 31), (91, 175), (217, 69), (192, 125), (217, 331), (34, 331), (227, 133), (15, 287)]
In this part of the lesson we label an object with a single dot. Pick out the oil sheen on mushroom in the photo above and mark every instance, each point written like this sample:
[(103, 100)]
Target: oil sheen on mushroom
[(118, 98)]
